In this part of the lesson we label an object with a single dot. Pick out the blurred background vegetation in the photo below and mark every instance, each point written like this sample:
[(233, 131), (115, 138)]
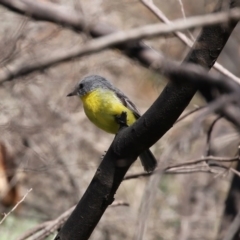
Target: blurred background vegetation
[(54, 149)]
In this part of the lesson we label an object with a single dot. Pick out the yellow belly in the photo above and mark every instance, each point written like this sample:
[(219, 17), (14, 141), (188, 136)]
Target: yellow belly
[(102, 106)]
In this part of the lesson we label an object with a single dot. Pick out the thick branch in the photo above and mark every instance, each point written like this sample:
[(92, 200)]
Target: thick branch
[(159, 118), (147, 130)]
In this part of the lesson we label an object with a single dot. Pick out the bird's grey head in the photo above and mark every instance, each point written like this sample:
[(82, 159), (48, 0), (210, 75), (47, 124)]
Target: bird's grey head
[(89, 84)]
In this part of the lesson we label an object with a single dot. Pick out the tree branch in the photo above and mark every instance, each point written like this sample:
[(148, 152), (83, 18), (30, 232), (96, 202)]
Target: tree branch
[(120, 40), (43, 230), (140, 136), (146, 131), (48, 11), (184, 166), (160, 15), (15, 207)]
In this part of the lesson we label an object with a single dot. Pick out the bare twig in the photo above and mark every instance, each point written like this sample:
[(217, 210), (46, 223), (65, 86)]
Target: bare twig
[(186, 167), (204, 159), (184, 16), (235, 171), (214, 106), (49, 227), (206, 168), (109, 176), (160, 15), (182, 8), (139, 175), (209, 133), (70, 18), (14, 208), (193, 169), (189, 113), (25, 66), (119, 203)]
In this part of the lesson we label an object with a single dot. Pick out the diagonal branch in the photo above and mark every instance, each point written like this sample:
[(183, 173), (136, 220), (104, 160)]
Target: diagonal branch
[(48, 11), (142, 134), (15, 207), (160, 15), (120, 39), (191, 166), (43, 230), (147, 130)]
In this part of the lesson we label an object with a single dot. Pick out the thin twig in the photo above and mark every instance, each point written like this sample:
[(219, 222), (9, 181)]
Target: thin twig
[(189, 113), (50, 227), (14, 208), (185, 167), (119, 203), (70, 18), (207, 158), (222, 103), (160, 15), (209, 134), (25, 66), (184, 17), (188, 170), (235, 171)]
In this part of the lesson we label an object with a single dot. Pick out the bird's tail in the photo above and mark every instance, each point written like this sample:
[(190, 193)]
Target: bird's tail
[(148, 160)]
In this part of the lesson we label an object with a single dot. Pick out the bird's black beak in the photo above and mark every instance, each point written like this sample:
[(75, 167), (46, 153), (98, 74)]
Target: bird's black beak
[(73, 93)]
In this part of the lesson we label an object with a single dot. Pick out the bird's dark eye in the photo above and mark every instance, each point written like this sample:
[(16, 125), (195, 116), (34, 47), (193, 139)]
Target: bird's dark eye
[(80, 86)]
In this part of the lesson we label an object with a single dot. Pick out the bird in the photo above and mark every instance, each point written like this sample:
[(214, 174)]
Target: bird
[(103, 103)]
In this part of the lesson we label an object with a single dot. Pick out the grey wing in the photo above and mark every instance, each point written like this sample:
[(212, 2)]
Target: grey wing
[(127, 103), (124, 99)]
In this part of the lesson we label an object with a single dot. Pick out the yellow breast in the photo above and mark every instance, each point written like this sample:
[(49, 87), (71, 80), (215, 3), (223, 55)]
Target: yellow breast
[(102, 106)]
